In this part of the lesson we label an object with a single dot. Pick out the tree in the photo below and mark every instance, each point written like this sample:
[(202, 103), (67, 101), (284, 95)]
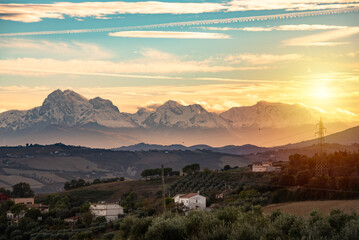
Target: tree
[(33, 213), (85, 207), (22, 190), (87, 218), (128, 200), (226, 167), (18, 208), (189, 169)]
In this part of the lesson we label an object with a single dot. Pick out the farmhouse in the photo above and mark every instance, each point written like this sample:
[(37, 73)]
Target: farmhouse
[(191, 200), (26, 201), (267, 166), (71, 221), (41, 207), (108, 210)]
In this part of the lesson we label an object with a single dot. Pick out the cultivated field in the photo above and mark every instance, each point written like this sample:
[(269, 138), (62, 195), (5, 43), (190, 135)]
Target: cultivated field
[(306, 207)]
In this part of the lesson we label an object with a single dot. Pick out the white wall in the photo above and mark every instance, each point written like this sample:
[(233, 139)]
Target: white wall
[(109, 211)]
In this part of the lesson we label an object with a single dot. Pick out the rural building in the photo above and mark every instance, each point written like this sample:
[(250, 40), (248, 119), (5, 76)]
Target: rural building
[(26, 201), (108, 210), (267, 166), (223, 194), (72, 220), (191, 200), (41, 207), (14, 219)]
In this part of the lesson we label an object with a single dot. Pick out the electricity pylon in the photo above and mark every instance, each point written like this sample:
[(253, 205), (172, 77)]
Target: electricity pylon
[(321, 167)]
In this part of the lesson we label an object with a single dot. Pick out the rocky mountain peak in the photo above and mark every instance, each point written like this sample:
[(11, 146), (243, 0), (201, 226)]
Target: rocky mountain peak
[(100, 103)]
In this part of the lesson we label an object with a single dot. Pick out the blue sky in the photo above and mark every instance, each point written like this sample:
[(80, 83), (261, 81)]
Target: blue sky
[(312, 60)]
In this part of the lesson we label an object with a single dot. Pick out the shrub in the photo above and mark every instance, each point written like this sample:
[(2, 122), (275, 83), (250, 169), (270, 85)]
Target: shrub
[(109, 235)]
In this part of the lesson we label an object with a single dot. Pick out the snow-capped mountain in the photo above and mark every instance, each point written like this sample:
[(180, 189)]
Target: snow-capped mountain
[(271, 115), (173, 114), (67, 108), (68, 117)]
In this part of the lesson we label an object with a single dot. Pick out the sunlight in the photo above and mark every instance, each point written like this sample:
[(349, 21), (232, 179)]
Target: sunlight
[(322, 91)]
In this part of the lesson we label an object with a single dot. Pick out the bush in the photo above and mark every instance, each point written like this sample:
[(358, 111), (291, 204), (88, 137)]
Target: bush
[(167, 229), (109, 235)]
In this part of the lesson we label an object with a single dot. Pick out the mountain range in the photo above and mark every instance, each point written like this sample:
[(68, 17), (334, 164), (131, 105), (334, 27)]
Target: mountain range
[(68, 117)]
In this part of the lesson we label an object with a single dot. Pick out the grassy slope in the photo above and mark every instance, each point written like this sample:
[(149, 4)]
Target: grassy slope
[(306, 207), (114, 191)]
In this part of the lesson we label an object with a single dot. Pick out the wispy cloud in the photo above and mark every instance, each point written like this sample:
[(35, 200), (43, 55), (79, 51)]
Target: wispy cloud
[(190, 23), (37, 12), (72, 49), (293, 5), (298, 27), (257, 59), (323, 39), (151, 62), (169, 34)]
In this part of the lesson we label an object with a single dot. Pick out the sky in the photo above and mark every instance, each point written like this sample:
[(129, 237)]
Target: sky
[(219, 54)]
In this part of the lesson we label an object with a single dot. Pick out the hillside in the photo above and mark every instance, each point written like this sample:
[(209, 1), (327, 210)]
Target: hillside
[(47, 168), (113, 191), (304, 208), (346, 137)]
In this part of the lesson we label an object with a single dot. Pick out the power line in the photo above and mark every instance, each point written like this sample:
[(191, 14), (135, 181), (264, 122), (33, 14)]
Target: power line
[(321, 166)]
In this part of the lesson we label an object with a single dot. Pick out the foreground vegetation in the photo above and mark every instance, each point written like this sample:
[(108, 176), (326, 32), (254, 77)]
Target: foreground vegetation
[(231, 223), (235, 215)]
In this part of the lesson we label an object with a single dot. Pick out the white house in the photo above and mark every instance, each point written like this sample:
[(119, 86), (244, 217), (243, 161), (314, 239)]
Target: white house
[(108, 210), (191, 200), (265, 167)]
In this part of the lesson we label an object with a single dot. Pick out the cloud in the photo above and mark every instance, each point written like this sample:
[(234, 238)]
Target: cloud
[(323, 39), (56, 48), (257, 59), (298, 27), (293, 5), (169, 34), (58, 10), (151, 62), (353, 54), (190, 23)]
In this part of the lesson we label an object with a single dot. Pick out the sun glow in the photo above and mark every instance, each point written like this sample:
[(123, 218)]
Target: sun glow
[(322, 92)]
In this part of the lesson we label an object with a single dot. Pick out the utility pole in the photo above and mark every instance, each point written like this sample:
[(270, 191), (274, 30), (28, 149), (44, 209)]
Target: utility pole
[(163, 189), (321, 167)]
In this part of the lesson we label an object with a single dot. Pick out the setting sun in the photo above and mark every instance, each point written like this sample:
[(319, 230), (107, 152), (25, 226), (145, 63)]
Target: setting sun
[(322, 92)]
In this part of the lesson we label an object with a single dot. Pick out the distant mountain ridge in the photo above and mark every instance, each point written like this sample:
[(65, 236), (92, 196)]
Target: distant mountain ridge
[(71, 109), (230, 149), (346, 137), (66, 116)]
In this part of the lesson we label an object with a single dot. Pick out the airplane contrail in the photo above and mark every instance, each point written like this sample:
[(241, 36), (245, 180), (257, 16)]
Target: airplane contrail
[(191, 23)]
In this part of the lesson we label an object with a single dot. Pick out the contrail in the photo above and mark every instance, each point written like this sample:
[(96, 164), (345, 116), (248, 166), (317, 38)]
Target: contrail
[(192, 23)]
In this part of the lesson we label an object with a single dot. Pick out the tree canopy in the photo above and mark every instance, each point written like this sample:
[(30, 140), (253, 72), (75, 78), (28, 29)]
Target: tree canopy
[(192, 168), (22, 190)]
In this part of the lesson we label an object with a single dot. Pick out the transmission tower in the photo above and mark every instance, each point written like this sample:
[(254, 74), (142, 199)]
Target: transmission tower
[(321, 167)]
